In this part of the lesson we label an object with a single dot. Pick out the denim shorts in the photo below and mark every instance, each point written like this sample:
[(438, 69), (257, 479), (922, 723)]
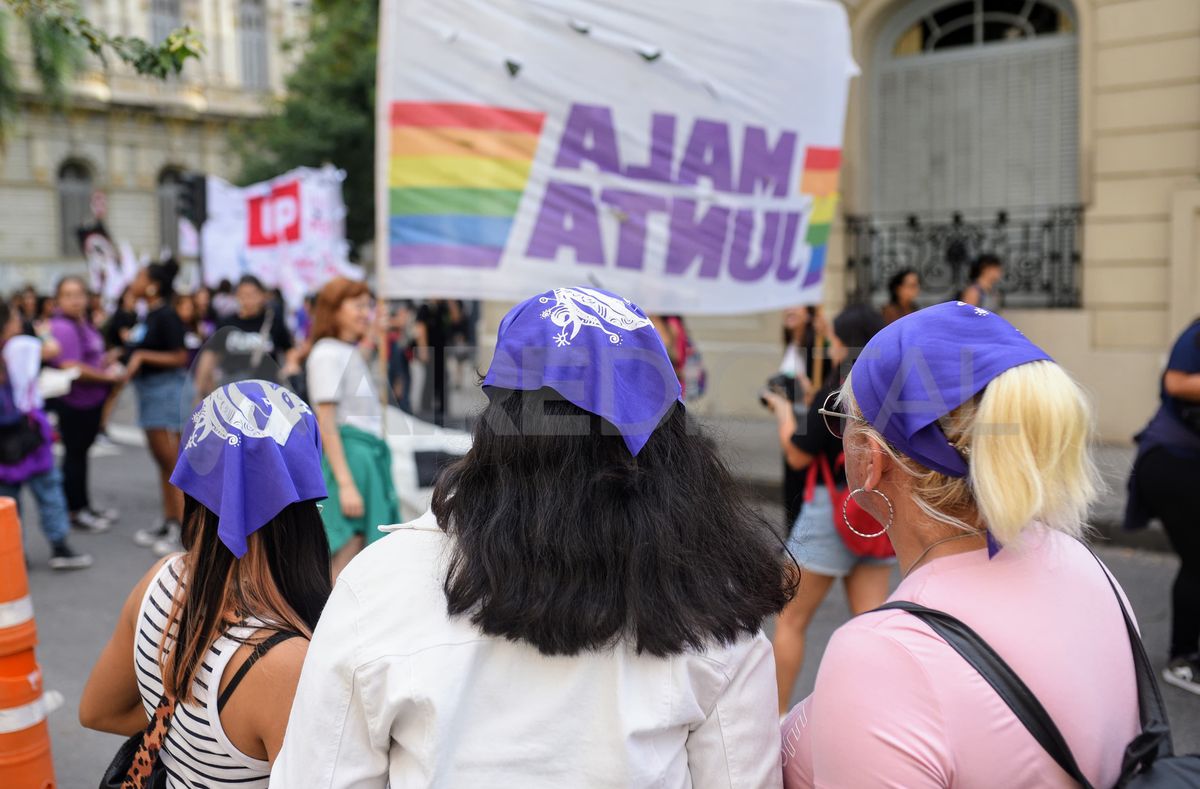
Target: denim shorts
[(163, 400), (816, 544)]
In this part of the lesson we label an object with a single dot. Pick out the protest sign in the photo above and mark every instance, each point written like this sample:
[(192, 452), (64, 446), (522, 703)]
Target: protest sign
[(684, 153), (289, 231)]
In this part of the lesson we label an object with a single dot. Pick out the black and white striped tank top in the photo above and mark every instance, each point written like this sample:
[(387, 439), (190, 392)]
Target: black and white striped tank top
[(196, 753)]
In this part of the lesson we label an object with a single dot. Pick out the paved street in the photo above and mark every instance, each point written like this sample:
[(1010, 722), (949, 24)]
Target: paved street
[(76, 611)]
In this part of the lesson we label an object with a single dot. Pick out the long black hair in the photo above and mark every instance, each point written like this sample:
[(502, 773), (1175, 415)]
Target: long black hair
[(163, 275), (566, 541), (896, 282), (282, 580)]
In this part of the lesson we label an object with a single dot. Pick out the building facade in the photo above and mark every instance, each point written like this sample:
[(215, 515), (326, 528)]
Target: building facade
[(127, 138), (1063, 135)]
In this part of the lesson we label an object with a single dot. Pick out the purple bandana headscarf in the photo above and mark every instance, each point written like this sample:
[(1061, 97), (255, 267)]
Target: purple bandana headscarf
[(596, 349), (252, 449), (925, 365)]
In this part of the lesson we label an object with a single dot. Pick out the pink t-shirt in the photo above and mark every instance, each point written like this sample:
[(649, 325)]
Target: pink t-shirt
[(894, 705)]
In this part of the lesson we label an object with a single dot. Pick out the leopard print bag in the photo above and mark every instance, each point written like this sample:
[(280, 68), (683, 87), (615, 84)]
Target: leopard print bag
[(136, 764)]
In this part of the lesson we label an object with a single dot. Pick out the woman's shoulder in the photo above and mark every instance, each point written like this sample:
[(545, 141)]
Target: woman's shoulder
[(410, 554), (61, 325), (133, 604), (330, 347)]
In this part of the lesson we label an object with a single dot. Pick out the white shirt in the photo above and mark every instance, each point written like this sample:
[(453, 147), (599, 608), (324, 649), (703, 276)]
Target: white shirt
[(395, 690), (23, 359), (338, 373)]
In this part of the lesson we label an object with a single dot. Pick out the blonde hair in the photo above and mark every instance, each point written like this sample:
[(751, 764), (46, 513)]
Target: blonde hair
[(1027, 440)]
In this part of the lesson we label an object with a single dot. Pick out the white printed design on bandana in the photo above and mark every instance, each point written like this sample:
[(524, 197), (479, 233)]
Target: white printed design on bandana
[(570, 314), (980, 311), (228, 406)]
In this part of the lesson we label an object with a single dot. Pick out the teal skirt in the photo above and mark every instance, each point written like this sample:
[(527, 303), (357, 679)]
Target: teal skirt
[(370, 464)]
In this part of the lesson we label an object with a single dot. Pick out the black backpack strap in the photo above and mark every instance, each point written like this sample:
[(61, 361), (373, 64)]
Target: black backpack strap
[(260, 649), (1154, 742), (1011, 689)]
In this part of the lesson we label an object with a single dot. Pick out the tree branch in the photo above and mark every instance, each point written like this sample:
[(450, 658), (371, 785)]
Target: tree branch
[(153, 60)]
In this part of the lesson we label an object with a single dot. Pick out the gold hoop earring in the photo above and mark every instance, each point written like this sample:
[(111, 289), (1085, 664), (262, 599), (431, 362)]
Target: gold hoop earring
[(891, 513)]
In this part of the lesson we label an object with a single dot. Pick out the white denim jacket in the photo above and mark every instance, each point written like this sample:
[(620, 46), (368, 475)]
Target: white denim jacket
[(394, 690)]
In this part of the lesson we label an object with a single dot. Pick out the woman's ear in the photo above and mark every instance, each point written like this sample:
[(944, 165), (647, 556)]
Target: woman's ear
[(878, 463)]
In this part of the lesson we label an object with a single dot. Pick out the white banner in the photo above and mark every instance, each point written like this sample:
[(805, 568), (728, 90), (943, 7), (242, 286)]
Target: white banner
[(683, 153), (289, 232)]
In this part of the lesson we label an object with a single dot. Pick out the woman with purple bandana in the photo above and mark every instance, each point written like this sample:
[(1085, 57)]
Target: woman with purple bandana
[(80, 409), (970, 447), (581, 606), (214, 638)]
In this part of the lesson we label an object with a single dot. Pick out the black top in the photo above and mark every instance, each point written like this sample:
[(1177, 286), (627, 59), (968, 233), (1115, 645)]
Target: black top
[(436, 319), (813, 438), (238, 340), (162, 330), (120, 320)]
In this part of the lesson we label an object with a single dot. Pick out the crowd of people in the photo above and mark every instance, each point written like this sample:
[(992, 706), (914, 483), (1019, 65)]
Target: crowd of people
[(172, 348), (583, 603)]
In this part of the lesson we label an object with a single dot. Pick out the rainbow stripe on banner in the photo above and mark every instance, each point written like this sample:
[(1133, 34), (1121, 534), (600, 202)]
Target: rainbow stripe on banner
[(820, 179), (456, 171)]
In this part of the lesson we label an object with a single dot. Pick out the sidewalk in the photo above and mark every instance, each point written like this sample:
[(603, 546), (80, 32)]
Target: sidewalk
[(751, 448)]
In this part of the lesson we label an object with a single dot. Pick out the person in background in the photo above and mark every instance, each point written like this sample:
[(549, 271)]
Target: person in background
[(685, 358), (986, 273), (206, 317), (460, 350), (432, 335), (79, 411), (157, 365), (793, 376), (26, 440), (254, 343), (97, 314), (357, 462), (1163, 485), (581, 606), (903, 290), (45, 309), (26, 301), (116, 331), (193, 338), (121, 322), (399, 371), (814, 540), (224, 303), (674, 336), (304, 318), (987, 525), (218, 634)]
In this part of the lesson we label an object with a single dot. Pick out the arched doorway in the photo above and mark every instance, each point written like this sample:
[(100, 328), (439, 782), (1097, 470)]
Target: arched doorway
[(974, 146)]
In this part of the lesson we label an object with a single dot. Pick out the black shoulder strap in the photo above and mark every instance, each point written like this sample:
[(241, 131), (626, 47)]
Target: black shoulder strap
[(262, 648), (1015, 693), (1155, 740)]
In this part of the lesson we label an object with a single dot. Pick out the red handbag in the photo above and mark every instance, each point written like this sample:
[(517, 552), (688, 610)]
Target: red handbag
[(866, 547)]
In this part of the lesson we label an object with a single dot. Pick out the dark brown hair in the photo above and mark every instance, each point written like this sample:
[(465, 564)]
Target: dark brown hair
[(282, 580)]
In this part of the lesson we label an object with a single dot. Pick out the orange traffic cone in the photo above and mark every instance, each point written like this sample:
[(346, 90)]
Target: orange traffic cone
[(25, 761)]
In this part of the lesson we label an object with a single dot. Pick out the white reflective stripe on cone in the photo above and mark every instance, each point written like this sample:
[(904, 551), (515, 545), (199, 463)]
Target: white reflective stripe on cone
[(18, 612), (23, 717)]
